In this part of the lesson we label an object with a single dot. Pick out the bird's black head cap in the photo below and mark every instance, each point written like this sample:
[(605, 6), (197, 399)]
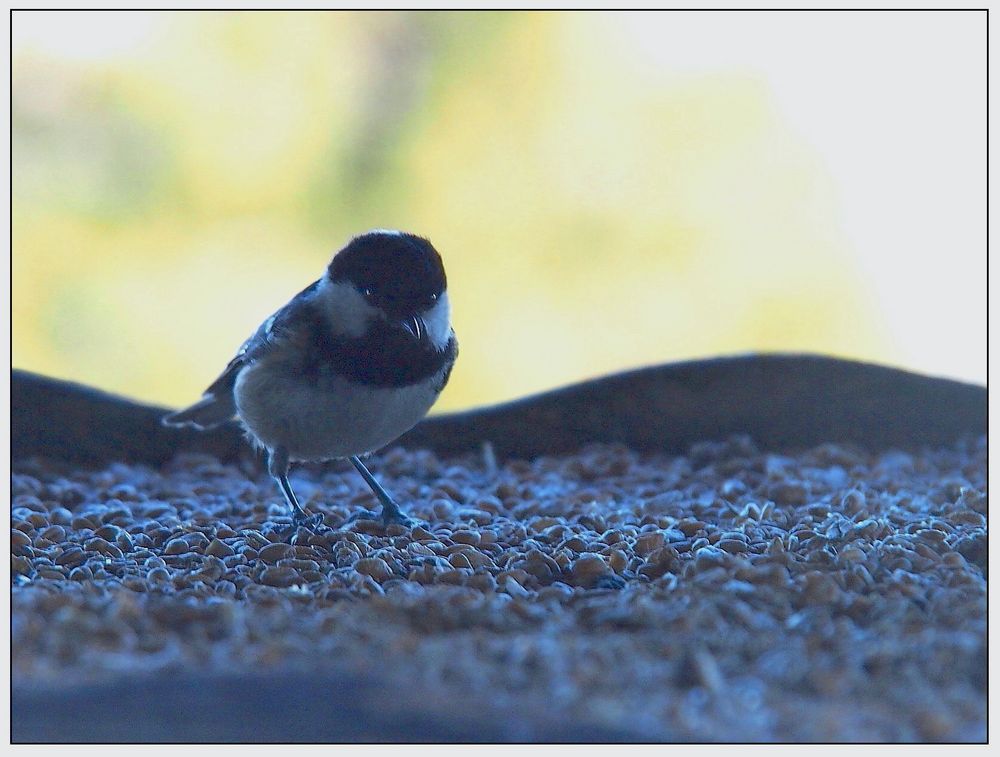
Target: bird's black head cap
[(400, 272)]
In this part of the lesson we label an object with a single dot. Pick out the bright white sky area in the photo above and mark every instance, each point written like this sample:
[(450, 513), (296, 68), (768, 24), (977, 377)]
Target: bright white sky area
[(895, 105)]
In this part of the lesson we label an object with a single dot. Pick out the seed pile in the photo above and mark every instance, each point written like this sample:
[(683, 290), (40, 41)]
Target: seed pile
[(728, 594)]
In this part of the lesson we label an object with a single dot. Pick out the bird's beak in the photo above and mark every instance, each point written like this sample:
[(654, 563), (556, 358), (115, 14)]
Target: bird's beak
[(415, 325)]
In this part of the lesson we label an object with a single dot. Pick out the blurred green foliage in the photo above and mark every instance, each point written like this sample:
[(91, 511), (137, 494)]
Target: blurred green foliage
[(596, 211)]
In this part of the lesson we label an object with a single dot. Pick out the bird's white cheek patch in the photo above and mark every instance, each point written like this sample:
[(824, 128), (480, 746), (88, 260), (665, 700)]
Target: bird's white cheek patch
[(438, 322), (348, 313)]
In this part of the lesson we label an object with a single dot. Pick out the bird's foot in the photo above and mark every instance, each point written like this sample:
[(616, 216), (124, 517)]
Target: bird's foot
[(362, 515), (299, 520), (312, 522), (397, 516), (388, 516)]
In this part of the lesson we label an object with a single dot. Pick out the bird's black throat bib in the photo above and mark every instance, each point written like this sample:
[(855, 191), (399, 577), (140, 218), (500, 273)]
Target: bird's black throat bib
[(386, 356)]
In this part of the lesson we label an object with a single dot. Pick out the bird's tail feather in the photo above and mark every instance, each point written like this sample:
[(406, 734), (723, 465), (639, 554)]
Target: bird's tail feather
[(209, 412)]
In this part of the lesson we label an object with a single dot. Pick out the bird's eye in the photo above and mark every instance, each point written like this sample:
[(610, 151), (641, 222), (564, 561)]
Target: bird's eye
[(434, 298), (368, 292)]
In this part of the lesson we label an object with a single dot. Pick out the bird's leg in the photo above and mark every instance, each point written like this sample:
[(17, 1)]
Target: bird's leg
[(390, 510), (277, 466)]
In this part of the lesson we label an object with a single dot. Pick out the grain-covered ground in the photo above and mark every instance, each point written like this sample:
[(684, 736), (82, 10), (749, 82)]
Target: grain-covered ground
[(729, 594)]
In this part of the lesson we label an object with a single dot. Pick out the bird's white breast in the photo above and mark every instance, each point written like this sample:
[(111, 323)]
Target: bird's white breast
[(328, 418)]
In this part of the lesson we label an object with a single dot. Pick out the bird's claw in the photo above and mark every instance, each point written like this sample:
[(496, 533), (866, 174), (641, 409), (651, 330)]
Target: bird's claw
[(398, 517), (362, 515), (300, 520), (386, 517), (312, 522)]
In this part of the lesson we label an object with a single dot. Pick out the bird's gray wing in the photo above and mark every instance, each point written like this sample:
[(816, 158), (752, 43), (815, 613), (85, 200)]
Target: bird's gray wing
[(217, 405)]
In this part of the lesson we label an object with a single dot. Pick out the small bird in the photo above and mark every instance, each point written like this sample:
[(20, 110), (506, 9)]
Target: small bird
[(348, 365)]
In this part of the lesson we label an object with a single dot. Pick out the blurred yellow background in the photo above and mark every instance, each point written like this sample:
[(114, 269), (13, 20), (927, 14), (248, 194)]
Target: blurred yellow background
[(607, 190)]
